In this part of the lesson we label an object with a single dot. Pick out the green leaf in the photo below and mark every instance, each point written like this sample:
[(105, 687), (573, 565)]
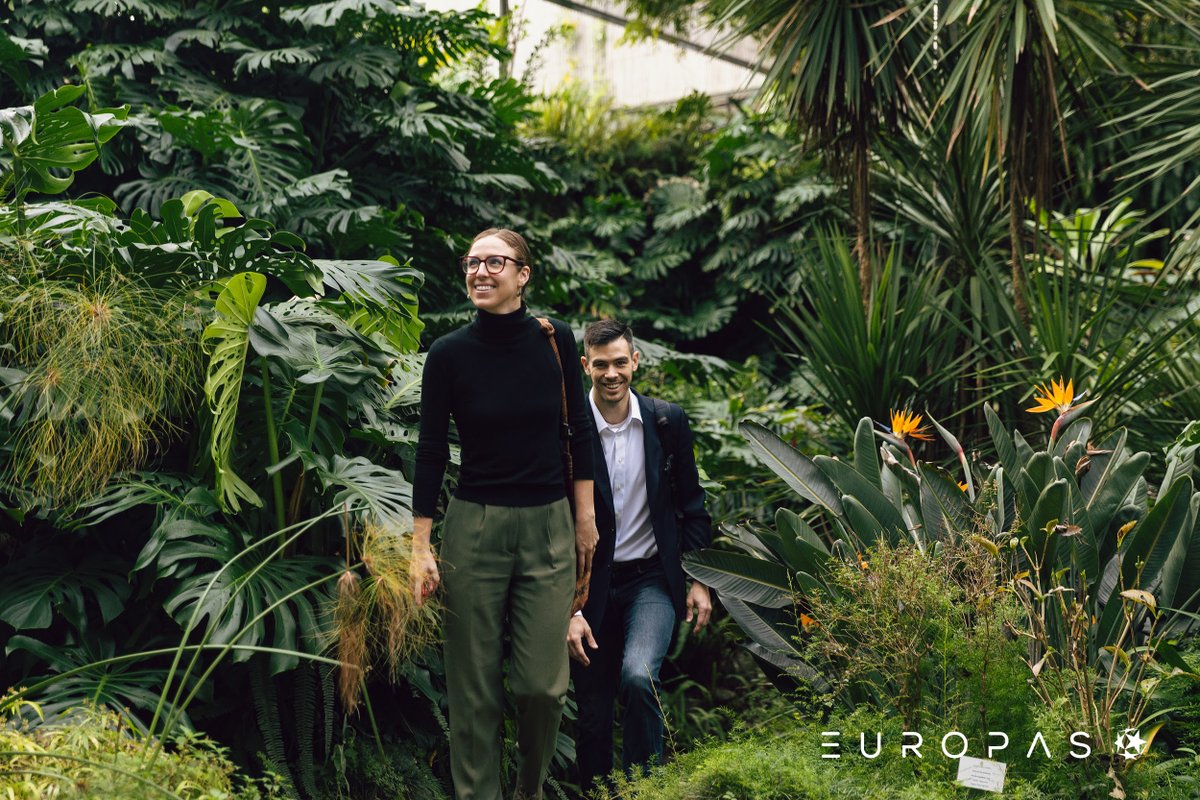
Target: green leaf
[(790, 524), (119, 685), (56, 582), (733, 575), (1002, 441), (1033, 478), (1050, 507), (866, 451), (384, 493), (771, 635), (1154, 543), (796, 469), (945, 508), (313, 354), (62, 138), (1187, 589), (229, 599), (864, 526), (228, 339), (866, 492)]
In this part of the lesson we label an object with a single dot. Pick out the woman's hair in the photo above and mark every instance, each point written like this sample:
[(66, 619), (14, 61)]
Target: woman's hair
[(511, 238)]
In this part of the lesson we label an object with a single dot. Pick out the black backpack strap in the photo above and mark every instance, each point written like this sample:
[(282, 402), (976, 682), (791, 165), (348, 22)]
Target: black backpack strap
[(669, 438)]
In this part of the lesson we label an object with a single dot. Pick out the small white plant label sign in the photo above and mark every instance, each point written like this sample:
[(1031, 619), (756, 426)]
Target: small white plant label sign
[(980, 773)]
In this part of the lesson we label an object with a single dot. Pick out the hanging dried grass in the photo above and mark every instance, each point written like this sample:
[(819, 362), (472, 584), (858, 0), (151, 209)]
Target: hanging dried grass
[(350, 622), (377, 617), (401, 627)]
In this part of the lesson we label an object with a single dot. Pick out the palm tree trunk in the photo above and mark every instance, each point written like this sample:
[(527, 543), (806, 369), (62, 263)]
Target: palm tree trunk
[(1016, 200), (860, 209), (1019, 165)]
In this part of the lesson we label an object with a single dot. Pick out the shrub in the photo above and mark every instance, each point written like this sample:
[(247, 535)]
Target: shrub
[(93, 753)]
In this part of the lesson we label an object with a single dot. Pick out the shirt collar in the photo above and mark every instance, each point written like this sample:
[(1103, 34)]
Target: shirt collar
[(635, 412)]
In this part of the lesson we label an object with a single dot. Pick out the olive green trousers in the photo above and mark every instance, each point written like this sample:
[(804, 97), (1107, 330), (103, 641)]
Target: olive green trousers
[(513, 569)]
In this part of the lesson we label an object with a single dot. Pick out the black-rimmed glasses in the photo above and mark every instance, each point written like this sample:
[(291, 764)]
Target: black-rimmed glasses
[(493, 264)]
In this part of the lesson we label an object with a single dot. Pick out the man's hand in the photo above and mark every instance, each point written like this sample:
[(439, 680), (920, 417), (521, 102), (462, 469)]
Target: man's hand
[(579, 632), (422, 570), (699, 605)]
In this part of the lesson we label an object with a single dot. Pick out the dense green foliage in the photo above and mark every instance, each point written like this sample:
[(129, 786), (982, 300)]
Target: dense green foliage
[(216, 219)]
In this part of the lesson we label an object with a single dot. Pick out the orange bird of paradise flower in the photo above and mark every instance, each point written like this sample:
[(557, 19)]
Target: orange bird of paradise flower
[(1056, 398), (907, 425)]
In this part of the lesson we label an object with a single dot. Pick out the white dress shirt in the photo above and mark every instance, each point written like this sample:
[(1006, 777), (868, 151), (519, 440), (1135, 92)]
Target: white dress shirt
[(625, 456)]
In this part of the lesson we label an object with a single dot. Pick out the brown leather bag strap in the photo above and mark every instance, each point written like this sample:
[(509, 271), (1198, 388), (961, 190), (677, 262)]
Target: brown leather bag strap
[(582, 582), (548, 329)]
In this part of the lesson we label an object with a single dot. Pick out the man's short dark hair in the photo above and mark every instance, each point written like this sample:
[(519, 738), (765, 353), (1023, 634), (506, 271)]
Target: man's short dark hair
[(603, 331)]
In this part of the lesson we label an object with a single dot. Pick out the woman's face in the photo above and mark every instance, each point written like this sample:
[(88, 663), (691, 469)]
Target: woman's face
[(499, 293)]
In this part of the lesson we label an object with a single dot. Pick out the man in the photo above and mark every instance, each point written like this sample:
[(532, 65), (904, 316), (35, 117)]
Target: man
[(649, 511)]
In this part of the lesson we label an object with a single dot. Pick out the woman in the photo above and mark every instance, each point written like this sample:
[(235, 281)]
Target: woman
[(510, 549)]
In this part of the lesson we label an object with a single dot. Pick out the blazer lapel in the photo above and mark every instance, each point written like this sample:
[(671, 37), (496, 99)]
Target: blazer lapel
[(602, 487)]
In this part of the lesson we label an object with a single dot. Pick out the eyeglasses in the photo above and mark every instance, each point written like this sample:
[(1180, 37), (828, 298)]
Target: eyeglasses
[(494, 264)]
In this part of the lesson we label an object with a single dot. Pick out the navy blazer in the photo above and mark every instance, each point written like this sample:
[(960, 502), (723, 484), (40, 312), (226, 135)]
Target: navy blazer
[(680, 524)]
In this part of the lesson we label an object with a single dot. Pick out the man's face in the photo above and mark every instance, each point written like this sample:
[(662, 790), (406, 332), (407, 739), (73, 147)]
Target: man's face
[(611, 367)]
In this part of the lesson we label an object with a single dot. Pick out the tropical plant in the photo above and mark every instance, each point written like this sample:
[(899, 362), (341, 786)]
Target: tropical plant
[(903, 342), (358, 139), (694, 255), (306, 376), (1076, 513), (1014, 71), (841, 72), (1099, 309)]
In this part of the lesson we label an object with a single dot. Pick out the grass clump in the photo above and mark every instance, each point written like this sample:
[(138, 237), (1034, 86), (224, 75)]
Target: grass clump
[(98, 371)]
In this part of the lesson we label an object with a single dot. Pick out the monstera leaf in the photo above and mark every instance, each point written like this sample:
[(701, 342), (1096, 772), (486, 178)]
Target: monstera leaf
[(58, 582), (228, 585), (173, 493), (96, 679), (382, 492), (228, 336), (314, 355), (50, 136)]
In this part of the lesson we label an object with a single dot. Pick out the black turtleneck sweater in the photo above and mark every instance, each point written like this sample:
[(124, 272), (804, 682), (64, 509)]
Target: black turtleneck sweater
[(498, 378)]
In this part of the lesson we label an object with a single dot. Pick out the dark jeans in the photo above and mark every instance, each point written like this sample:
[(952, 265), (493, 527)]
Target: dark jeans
[(638, 625)]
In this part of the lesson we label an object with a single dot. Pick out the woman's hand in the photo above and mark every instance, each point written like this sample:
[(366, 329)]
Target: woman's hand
[(586, 537), (423, 572)]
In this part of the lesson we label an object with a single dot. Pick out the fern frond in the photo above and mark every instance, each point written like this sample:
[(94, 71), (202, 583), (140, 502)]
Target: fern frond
[(266, 711), (304, 700)]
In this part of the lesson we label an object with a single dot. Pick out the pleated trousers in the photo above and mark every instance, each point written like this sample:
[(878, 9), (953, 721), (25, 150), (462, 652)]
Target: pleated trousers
[(505, 568)]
